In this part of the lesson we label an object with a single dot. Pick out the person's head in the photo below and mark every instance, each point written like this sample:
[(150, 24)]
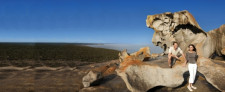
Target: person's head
[(191, 47), (175, 45)]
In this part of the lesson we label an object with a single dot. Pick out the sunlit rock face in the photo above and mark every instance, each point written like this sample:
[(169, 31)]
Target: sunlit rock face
[(140, 76), (223, 51), (183, 28)]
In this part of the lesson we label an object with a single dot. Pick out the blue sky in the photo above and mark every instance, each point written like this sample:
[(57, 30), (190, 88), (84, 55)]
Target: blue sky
[(96, 21)]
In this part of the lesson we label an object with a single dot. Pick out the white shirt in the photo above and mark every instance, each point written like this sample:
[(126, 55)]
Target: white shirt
[(175, 52)]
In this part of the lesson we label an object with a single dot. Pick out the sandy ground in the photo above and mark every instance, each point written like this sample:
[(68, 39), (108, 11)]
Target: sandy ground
[(60, 79)]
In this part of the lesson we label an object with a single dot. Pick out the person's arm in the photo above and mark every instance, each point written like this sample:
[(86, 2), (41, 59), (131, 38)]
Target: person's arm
[(197, 59), (184, 56), (196, 56), (185, 60)]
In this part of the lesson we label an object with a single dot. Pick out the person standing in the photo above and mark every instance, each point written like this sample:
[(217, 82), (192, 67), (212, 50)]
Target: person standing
[(191, 58)]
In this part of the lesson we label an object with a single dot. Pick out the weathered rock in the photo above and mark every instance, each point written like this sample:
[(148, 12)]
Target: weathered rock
[(218, 39), (140, 76), (223, 51), (115, 84), (144, 77), (124, 54), (154, 55), (90, 78), (145, 51), (183, 28), (145, 54), (95, 76), (214, 73)]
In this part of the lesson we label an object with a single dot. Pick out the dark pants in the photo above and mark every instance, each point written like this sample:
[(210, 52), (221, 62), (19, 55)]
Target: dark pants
[(173, 61)]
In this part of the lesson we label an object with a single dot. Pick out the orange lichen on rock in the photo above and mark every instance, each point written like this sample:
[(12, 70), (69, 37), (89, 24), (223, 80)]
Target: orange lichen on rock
[(101, 69), (135, 58), (110, 70), (145, 51), (223, 51), (128, 62)]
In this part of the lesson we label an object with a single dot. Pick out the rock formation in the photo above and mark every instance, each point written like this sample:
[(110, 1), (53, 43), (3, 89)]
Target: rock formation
[(145, 51), (90, 78), (184, 29), (95, 76), (141, 76), (214, 73), (223, 51), (154, 55)]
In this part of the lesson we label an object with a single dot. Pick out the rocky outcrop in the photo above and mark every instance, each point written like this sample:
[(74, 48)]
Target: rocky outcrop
[(154, 55), (95, 75), (145, 50), (184, 29), (145, 54), (223, 51), (214, 73), (141, 76), (218, 38), (91, 78)]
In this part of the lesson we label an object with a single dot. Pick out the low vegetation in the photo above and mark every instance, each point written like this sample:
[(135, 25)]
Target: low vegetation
[(49, 54)]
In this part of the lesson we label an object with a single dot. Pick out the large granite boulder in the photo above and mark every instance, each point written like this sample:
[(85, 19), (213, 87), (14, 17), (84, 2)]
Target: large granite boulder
[(141, 76), (90, 78), (183, 28), (145, 54), (96, 75), (214, 73)]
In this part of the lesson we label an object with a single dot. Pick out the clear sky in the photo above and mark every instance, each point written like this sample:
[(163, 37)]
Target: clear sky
[(96, 21)]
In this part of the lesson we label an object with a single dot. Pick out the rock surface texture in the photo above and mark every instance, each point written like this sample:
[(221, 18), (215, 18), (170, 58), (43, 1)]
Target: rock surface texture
[(141, 76), (184, 29), (181, 27)]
